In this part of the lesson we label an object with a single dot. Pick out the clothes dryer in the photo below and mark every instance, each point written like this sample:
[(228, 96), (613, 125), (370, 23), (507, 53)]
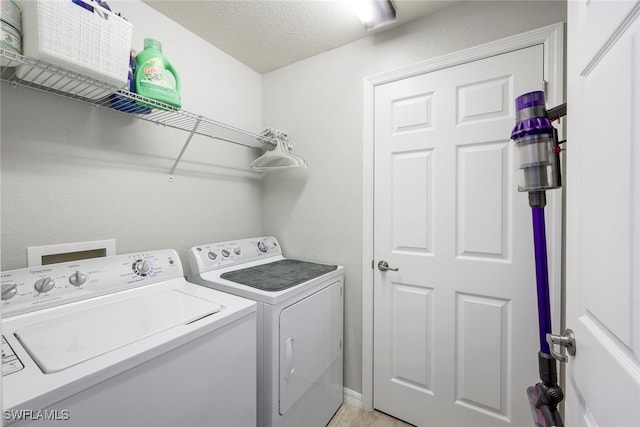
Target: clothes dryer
[(300, 325)]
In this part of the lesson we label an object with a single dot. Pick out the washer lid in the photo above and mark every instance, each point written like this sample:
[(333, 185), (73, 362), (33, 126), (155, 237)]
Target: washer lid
[(77, 337)]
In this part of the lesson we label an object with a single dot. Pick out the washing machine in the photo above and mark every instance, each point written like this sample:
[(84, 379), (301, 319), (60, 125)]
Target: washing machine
[(300, 325), (125, 340)]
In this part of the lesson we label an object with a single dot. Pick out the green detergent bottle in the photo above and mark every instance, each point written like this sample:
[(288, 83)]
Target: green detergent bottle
[(155, 77)]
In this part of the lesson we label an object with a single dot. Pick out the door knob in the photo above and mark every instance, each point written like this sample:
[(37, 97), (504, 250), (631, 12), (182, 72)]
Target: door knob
[(384, 266), (566, 340)]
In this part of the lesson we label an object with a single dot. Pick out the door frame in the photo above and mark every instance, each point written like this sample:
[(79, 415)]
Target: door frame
[(552, 38)]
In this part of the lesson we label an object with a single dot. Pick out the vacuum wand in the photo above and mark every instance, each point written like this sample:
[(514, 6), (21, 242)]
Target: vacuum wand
[(537, 147), (542, 276), (545, 396)]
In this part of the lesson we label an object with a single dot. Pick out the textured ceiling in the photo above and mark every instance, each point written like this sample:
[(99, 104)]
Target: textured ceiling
[(268, 34)]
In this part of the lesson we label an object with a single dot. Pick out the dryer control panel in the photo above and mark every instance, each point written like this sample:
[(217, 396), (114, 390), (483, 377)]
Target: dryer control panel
[(35, 288), (225, 254)]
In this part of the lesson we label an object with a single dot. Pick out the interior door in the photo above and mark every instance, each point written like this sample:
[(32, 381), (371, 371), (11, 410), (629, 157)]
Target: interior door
[(603, 213), (455, 328)]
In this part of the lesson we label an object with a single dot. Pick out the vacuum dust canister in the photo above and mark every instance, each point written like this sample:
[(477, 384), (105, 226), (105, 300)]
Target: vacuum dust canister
[(536, 143)]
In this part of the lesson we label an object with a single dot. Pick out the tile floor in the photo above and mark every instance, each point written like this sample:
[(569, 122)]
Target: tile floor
[(352, 416)]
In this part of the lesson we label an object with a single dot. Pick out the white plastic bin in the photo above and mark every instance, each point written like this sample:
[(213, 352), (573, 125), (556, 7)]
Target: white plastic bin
[(77, 35)]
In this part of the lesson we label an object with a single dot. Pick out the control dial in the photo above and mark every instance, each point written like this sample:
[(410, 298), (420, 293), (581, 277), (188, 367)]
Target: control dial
[(262, 246), (142, 267), (77, 279), (237, 250), (226, 253), (44, 285), (9, 291), (212, 255)]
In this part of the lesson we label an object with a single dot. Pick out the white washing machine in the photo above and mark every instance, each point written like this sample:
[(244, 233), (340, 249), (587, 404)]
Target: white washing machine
[(125, 341), (300, 318)]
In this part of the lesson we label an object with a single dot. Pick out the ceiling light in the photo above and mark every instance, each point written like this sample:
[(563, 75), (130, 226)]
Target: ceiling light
[(374, 13)]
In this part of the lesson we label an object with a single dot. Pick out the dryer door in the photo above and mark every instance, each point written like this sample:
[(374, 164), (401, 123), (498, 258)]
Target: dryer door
[(310, 341)]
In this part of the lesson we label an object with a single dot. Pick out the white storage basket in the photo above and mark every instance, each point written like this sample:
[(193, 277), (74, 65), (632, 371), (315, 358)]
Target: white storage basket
[(80, 36)]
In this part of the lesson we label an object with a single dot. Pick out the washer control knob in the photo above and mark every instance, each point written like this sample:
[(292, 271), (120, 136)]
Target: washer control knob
[(262, 246), (142, 267), (44, 285), (212, 255), (237, 250), (9, 290), (77, 279), (226, 253)]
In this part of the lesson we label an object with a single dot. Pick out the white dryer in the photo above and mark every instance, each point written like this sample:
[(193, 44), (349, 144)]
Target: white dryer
[(300, 325), (125, 341)]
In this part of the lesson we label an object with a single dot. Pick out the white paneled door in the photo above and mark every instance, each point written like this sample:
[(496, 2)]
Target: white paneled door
[(603, 213), (455, 328)]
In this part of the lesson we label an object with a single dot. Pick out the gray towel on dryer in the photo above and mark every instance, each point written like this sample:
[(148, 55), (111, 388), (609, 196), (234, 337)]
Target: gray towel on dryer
[(278, 275)]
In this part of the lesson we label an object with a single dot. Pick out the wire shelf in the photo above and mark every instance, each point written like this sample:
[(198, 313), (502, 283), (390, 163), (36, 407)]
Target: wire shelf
[(27, 72)]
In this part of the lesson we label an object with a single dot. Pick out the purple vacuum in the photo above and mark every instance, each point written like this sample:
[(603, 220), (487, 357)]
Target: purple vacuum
[(538, 153)]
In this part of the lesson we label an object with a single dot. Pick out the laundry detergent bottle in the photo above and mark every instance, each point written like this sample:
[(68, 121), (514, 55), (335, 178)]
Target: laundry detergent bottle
[(155, 77)]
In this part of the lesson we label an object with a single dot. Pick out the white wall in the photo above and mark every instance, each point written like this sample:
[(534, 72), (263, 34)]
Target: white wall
[(317, 213), (72, 172)]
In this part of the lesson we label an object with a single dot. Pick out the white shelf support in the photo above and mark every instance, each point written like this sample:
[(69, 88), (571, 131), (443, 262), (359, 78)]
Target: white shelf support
[(184, 148)]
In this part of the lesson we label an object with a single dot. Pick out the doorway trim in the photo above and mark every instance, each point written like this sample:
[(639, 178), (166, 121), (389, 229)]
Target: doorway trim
[(552, 39)]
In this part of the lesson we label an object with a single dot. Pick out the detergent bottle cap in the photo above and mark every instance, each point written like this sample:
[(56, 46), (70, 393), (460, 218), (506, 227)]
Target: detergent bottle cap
[(152, 44)]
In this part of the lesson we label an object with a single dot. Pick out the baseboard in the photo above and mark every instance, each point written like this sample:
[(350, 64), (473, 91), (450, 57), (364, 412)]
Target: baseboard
[(352, 397)]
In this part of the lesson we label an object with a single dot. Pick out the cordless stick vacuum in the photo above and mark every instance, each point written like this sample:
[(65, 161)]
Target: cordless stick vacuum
[(538, 153)]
